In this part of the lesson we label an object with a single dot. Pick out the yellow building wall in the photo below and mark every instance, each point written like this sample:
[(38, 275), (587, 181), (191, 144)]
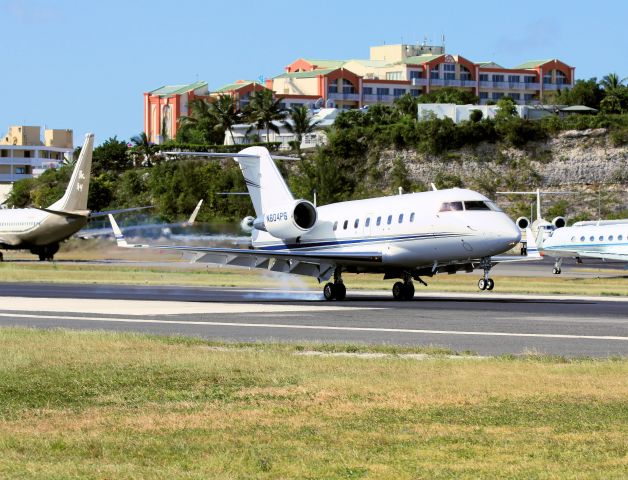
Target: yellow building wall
[(22, 135), (58, 138), (295, 86), (389, 53)]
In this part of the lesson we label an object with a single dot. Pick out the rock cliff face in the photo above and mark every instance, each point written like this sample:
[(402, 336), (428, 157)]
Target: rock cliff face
[(584, 161)]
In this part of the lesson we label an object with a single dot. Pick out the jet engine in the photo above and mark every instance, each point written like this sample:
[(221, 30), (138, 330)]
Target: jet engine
[(523, 223), (559, 222), (290, 221), (247, 224)]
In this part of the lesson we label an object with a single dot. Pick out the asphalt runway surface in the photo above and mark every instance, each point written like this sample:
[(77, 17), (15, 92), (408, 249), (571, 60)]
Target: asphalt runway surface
[(487, 323)]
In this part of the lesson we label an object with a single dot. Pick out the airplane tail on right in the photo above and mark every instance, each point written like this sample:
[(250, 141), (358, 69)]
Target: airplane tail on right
[(534, 245), (266, 186)]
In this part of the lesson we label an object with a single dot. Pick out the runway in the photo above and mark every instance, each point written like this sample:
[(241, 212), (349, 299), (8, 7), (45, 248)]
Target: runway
[(486, 323)]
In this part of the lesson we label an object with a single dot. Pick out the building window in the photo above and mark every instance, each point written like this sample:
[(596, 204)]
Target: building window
[(561, 78), (367, 90), (416, 74), (498, 78), (20, 170), (383, 91), (27, 154), (483, 95), (415, 92), (449, 67), (515, 96), (547, 78), (333, 86), (347, 87), (514, 78), (528, 79), (497, 95), (483, 77), (393, 75), (465, 74), (435, 74), (528, 97), (398, 92)]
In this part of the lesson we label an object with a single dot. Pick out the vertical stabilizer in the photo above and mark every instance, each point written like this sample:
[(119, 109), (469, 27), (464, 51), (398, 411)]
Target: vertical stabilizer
[(533, 245), (266, 186), (75, 197)]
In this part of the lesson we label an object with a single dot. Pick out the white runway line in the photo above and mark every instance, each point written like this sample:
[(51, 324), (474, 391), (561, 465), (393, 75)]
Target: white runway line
[(314, 327), (152, 307)]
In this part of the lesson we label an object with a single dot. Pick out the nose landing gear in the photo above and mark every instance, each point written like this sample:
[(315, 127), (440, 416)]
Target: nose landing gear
[(486, 283), (557, 264)]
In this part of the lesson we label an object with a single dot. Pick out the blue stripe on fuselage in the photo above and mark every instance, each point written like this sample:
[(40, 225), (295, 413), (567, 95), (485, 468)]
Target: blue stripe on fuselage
[(336, 243)]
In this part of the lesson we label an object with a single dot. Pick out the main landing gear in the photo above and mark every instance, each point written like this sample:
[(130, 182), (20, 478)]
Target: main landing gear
[(557, 264), (404, 290), (336, 290), (486, 283), (47, 252)]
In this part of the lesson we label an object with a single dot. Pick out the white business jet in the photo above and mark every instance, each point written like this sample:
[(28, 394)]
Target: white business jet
[(403, 236), (606, 239)]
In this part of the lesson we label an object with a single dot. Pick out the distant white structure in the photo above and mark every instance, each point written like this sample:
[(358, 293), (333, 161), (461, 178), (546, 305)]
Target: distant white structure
[(459, 113), (245, 134)]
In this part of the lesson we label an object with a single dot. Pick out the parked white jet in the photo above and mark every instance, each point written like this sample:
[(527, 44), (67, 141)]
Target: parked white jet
[(402, 236), (604, 239), (40, 230)]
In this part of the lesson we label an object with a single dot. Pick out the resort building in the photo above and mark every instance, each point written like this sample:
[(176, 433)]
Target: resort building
[(390, 72), (24, 155)]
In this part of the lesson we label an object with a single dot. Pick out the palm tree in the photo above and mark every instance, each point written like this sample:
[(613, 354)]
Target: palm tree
[(201, 119), (263, 110), (225, 112), (142, 143), (301, 124), (611, 83), (407, 105)]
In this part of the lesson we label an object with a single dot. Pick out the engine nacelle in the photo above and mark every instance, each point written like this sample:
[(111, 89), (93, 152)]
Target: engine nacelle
[(290, 221), (523, 223), (559, 222), (247, 224)]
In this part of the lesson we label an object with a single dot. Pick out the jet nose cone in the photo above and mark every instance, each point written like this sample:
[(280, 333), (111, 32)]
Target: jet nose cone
[(512, 234)]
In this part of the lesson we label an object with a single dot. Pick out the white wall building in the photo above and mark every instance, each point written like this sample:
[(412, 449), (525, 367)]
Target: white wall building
[(459, 113)]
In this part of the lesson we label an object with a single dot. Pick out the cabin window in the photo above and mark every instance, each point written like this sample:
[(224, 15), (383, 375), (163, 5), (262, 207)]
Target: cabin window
[(368, 222), (401, 218), (451, 206), (592, 238), (335, 225), (389, 219), (610, 238), (379, 221), (345, 225), (476, 205), (573, 239), (412, 217), (582, 239), (601, 238), (356, 223), (620, 237)]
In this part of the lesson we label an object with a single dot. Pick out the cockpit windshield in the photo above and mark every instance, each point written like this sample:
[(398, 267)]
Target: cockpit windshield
[(469, 205)]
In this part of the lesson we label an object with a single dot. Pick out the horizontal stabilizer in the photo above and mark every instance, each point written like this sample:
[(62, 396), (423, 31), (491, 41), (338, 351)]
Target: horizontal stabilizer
[(62, 213), (115, 212)]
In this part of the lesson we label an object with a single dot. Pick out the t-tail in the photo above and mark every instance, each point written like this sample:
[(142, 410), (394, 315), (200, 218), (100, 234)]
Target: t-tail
[(266, 186), (75, 197)]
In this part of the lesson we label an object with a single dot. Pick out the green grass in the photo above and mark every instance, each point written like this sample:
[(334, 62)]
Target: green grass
[(105, 405)]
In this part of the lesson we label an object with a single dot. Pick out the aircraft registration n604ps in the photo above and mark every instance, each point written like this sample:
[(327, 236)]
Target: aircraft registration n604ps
[(402, 237)]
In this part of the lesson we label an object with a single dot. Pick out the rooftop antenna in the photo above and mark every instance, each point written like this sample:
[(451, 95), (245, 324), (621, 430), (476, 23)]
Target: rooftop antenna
[(442, 40)]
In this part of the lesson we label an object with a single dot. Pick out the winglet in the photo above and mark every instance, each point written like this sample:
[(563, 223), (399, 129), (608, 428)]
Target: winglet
[(192, 218), (117, 232), (532, 247)]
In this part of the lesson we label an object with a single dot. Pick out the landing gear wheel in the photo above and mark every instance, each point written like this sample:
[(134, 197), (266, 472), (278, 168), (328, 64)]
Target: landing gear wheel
[(1, 257), (340, 291), (490, 284), (408, 290), (482, 284), (329, 291), (556, 271), (42, 257), (398, 291)]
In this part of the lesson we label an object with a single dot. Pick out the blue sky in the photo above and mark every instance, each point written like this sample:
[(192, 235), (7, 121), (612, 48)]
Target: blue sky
[(84, 65)]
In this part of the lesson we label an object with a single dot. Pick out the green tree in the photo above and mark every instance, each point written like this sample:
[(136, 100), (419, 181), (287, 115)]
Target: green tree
[(407, 105), (458, 96), (143, 148), (200, 126), (225, 113), (584, 92), (111, 156), (263, 109), (300, 124)]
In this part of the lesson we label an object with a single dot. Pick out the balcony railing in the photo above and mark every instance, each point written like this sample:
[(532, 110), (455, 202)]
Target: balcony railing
[(345, 96), (32, 161), (7, 177), (379, 98), (419, 81), (510, 85), (556, 86)]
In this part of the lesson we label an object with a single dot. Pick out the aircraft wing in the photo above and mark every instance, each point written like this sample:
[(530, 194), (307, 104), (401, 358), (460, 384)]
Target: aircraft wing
[(319, 264)]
